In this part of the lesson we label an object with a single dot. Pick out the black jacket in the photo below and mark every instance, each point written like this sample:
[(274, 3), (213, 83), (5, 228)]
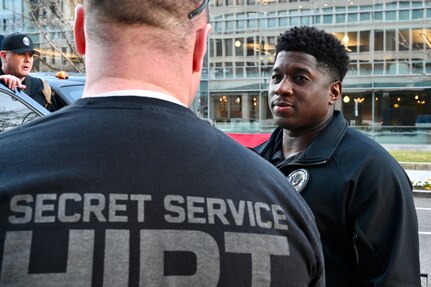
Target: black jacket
[(363, 204)]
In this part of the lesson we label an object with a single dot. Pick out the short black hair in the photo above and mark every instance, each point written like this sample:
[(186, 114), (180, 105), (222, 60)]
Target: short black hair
[(330, 54)]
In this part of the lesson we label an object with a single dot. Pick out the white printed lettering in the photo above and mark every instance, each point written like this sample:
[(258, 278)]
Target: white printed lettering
[(260, 246), (155, 242), (141, 198), (116, 264), (216, 212), (179, 211), (25, 210), (258, 206), (193, 209), (278, 215), (93, 208), (114, 206), (251, 213), (16, 258), (42, 206), (62, 216), (237, 214)]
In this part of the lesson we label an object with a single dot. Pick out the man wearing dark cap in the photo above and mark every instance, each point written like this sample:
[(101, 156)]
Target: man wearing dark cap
[(17, 56)]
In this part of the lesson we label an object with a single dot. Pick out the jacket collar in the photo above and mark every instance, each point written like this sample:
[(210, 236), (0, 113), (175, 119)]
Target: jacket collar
[(320, 149)]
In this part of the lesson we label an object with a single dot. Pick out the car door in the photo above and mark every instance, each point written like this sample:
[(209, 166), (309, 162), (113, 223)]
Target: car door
[(17, 108)]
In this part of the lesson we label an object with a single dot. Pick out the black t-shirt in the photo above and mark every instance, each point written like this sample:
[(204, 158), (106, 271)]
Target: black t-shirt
[(132, 191)]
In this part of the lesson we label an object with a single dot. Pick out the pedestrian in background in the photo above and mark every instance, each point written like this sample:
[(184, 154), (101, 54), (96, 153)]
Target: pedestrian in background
[(360, 195), (17, 55), (135, 189)]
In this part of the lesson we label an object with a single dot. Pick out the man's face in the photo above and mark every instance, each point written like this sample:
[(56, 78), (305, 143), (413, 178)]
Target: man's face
[(18, 65), (300, 94)]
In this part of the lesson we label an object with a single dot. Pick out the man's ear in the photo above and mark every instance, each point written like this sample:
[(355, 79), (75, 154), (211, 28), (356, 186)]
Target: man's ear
[(335, 91), (79, 29), (2, 55), (200, 47)]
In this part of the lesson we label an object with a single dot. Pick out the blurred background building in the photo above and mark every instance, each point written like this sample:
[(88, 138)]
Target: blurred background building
[(387, 88), (389, 44), (50, 25)]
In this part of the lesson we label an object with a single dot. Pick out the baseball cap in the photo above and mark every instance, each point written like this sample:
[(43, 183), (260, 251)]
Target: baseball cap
[(18, 43)]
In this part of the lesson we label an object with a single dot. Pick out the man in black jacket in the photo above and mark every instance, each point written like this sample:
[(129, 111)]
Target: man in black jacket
[(360, 195), (17, 56)]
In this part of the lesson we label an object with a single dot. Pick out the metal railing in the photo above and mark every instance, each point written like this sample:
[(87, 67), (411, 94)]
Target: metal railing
[(420, 134)]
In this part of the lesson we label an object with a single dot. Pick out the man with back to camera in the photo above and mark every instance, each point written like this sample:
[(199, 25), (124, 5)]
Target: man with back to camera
[(361, 197), (17, 55), (137, 190)]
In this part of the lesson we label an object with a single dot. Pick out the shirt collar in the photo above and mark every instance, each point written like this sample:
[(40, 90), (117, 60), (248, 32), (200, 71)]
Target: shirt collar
[(140, 93)]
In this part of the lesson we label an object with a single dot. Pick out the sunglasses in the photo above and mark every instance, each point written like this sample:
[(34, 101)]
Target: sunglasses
[(199, 10)]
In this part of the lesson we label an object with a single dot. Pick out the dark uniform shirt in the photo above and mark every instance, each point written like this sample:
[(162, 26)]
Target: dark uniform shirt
[(140, 192)]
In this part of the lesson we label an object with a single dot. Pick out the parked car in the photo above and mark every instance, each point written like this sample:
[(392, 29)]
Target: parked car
[(17, 108), (67, 87)]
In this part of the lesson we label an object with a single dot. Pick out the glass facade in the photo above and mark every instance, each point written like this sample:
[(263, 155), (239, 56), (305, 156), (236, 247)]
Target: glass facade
[(389, 77)]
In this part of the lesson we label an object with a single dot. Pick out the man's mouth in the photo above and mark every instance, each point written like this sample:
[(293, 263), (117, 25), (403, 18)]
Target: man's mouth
[(281, 103)]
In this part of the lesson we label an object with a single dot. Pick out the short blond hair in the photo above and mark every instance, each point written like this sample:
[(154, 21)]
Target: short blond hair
[(169, 15)]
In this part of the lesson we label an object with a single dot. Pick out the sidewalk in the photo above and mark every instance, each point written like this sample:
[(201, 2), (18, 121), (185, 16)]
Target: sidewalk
[(419, 175), (415, 171)]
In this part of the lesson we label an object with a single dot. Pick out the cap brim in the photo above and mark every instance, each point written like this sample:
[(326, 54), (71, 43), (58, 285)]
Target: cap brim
[(21, 51)]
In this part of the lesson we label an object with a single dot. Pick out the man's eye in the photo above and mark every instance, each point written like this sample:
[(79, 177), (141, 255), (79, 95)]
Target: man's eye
[(300, 78), (276, 78)]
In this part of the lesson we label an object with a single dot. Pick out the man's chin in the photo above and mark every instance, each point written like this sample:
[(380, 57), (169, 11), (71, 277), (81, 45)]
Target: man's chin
[(23, 74)]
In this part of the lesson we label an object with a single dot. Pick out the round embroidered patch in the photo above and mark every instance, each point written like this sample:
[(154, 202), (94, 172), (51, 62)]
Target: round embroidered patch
[(26, 41), (299, 179)]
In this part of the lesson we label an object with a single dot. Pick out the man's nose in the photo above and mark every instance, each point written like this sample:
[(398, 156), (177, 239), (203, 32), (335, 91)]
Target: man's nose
[(28, 57), (284, 87)]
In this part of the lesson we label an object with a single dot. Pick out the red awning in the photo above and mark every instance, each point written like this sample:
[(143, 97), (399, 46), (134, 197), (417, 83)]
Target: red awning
[(249, 140)]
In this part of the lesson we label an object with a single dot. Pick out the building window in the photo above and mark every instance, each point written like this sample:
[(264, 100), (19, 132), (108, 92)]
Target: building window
[(417, 14), (366, 16), (251, 70), (352, 17), (364, 42), (340, 18), (228, 45), (378, 40), (219, 48), (250, 46), (378, 15), (228, 70), (404, 15), (307, 20), (378, 68), (403, 40), (239, 47), (239, 69), (391, 16), (327, 19)]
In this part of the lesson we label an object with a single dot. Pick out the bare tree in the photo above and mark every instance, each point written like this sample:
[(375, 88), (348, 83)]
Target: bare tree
[(54, 21)]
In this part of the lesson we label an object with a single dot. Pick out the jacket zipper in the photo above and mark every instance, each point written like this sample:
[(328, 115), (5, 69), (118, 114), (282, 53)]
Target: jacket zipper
[(355, 240)]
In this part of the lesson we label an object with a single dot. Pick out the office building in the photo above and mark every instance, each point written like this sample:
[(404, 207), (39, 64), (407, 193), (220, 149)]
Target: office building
[(389, 43)]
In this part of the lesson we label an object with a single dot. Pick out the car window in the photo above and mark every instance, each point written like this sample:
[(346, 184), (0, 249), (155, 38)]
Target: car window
[(73, 93), (13, 113)]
